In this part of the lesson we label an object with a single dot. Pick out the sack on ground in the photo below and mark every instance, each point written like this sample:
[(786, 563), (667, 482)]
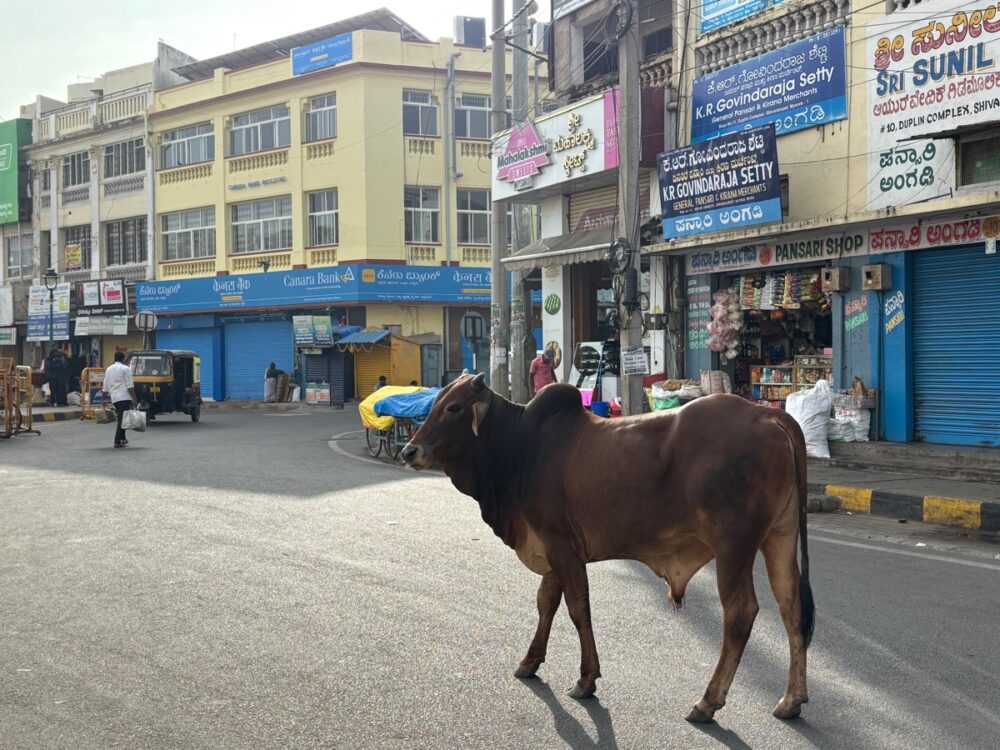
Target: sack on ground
[(103, 415), (135, 420), (840, 431), (73, 398), (811, 409)]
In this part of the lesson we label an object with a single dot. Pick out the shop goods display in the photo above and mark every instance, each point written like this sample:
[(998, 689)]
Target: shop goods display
[(725, 324), (811, 409)]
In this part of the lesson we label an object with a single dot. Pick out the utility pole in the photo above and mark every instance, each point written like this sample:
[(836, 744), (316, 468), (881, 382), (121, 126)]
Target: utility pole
[(499, 288), (520, 304), (629, 128)]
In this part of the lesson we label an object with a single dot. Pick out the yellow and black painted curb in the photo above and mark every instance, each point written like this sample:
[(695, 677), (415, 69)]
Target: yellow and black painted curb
[(947, 511), (57, 416)]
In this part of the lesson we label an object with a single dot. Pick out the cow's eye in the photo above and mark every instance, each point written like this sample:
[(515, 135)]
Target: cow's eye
[(454, 408)]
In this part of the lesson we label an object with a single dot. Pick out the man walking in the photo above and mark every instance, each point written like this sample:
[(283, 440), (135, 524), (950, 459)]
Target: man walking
[(543, 370), (118, 384)]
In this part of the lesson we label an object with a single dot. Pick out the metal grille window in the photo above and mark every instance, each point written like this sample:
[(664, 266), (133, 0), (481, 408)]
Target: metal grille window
[(260, 130), (419, 115), (979, 161), (76, 169), (321, 119), (20, 257), (324, 218), (127, 157), (472, 117), (74, 237), (421, 206), (126, 241), (190, 145), (262, 225), (473, 217), (188, 234)]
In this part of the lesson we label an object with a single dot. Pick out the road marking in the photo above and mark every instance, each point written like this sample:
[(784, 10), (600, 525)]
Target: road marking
[(332, 442), (906, 553), (855, 499)]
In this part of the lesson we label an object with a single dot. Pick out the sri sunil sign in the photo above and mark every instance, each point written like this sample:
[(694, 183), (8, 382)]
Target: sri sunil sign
[(324, 54), (337, 284), (726, 183), (798, 86)]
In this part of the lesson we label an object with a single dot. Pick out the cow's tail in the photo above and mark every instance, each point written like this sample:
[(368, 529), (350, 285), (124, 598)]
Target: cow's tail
[(806, 603)]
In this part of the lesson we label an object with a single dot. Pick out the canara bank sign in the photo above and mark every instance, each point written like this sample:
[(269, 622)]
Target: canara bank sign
[(355, 283)]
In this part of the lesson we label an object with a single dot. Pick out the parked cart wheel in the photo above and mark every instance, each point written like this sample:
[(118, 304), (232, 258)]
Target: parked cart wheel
[(374, 440)]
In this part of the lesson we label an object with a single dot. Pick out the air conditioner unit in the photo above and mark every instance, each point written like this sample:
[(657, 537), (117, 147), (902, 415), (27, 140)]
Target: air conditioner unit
[(470, 31), (540, 38), (836, 279)]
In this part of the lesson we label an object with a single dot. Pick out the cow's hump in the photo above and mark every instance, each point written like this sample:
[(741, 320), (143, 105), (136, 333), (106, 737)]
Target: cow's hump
[(558, 398)]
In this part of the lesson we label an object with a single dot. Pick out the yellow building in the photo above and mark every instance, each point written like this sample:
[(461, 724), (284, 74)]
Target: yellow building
[(335, 181)]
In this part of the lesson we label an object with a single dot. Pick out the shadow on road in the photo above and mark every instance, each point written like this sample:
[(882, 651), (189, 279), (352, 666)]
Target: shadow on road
[(723, 736), (568, 728)]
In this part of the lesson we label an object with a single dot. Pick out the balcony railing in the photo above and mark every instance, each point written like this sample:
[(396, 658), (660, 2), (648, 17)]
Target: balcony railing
[(74, 121), (474, 149), (421, 254), (322, 150), (187, 268), (124, 108), (124, 186), (252, 263), (254, 162), (46, 201), (129, 272), (76, 195), (656, 72), (186, 174), (323, 256), (421, 146), (476, 255), (84, 274)]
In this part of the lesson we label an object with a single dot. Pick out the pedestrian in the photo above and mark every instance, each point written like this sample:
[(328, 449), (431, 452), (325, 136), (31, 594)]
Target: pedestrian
[(271, 382), (382, 382), (543, 370), (119, 387), (57, 372)]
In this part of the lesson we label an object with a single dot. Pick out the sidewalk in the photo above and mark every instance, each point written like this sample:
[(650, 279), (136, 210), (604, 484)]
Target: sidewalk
[(909, 495), (55, 413), (254, 405)]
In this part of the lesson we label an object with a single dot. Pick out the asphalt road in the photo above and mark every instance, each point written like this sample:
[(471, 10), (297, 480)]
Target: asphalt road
[(247, 582)]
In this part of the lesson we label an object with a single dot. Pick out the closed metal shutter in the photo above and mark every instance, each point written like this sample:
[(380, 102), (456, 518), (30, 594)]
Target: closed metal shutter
[(368, 366), (250, 348), (330, 367), (595, 209), (201, 341), (956, 346)]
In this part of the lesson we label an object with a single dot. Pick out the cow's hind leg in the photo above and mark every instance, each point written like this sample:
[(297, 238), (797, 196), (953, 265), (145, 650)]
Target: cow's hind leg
[(549, 596), (783, 573), (739, 610), (572, 574)]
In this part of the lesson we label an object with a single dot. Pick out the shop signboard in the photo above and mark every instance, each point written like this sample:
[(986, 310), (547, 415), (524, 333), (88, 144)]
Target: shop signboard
[(74, 257), (357, 282), (302, 326), (699, 297), (13, 135), (722, 184), (800, 85), (101, 325), (38, 313), (718, 13), (101, 298), (313, 330), (790, 250), (909, 172), (634, 360), (935, 69), (8, 336), (915, 235), (524, 155), (562, 8), (322, 54)]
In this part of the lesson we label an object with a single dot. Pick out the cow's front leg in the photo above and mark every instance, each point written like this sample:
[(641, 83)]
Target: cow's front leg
[(549, 596), (572, 574)]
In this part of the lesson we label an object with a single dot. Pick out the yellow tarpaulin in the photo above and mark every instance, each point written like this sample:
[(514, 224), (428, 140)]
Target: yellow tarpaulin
[(367, 407)]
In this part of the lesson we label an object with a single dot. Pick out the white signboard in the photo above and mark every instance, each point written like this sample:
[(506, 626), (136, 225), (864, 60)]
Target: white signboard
[(6, 306), (634, 361), (8, 336), (908, 172)]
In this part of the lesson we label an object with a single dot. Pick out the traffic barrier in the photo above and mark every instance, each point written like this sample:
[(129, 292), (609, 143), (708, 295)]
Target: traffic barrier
[(91, 387), (25, 393)]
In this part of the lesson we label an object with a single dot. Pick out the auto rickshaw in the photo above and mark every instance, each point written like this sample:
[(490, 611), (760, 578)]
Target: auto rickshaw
[(167, 380)]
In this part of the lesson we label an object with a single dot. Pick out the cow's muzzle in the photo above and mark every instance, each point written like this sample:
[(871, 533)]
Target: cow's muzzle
[(413, 455)]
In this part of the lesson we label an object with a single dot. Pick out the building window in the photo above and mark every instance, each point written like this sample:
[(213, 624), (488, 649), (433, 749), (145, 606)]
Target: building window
[(599, 57), (655, 20), (127, 157), (20, 257), (421, 205), (472, 116), (260, 130), (262, 225), (979, 160), (126, 241), (46, 180), (188, 234), (76, 169), (321, 119), (419, 115), (324, 218), (190, 145), (76, 247), (473, 217)]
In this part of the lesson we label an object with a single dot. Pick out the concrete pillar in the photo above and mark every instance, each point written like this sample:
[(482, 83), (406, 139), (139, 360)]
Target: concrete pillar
[(96, 261)]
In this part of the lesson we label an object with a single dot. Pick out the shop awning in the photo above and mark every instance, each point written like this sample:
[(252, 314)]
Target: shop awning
[(576, 247), (364, 337)]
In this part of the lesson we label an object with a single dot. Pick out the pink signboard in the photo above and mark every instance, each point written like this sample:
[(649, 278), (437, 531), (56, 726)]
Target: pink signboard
[(611, 108), (526, 154)]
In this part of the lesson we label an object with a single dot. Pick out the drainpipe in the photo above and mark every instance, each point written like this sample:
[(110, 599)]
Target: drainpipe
[(449, 152)]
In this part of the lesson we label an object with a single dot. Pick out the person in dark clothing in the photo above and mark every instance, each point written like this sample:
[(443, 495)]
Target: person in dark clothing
[(56, 371), (120, 388)]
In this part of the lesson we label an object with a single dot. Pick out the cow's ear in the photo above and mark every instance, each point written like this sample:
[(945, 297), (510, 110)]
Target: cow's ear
[(479, 409), (479, 382)]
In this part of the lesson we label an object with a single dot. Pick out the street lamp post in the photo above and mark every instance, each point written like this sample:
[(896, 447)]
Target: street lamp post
[(51, 282)]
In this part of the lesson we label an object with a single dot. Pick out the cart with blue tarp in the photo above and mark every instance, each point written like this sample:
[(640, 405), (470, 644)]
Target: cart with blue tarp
[(391, 416)]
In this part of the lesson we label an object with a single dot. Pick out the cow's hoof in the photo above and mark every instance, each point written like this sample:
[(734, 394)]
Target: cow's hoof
[(697, 716), (580, 692), (527, 670), (789, 709)]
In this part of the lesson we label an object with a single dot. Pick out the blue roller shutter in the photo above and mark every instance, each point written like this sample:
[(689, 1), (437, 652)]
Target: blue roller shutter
[(250, 348), (956, 346), (202, 341)]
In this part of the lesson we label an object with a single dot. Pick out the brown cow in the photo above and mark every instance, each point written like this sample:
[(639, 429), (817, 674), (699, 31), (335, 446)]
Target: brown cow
[(719, 478)]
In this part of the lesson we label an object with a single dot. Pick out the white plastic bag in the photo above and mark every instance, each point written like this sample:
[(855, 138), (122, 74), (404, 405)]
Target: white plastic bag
[(135, 420), (73, 398), (811, 409)]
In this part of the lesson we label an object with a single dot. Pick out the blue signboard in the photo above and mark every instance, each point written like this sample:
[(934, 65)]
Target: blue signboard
[(718, 13), (337, 284), (722, 184), (324, 54), (798, 86)]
